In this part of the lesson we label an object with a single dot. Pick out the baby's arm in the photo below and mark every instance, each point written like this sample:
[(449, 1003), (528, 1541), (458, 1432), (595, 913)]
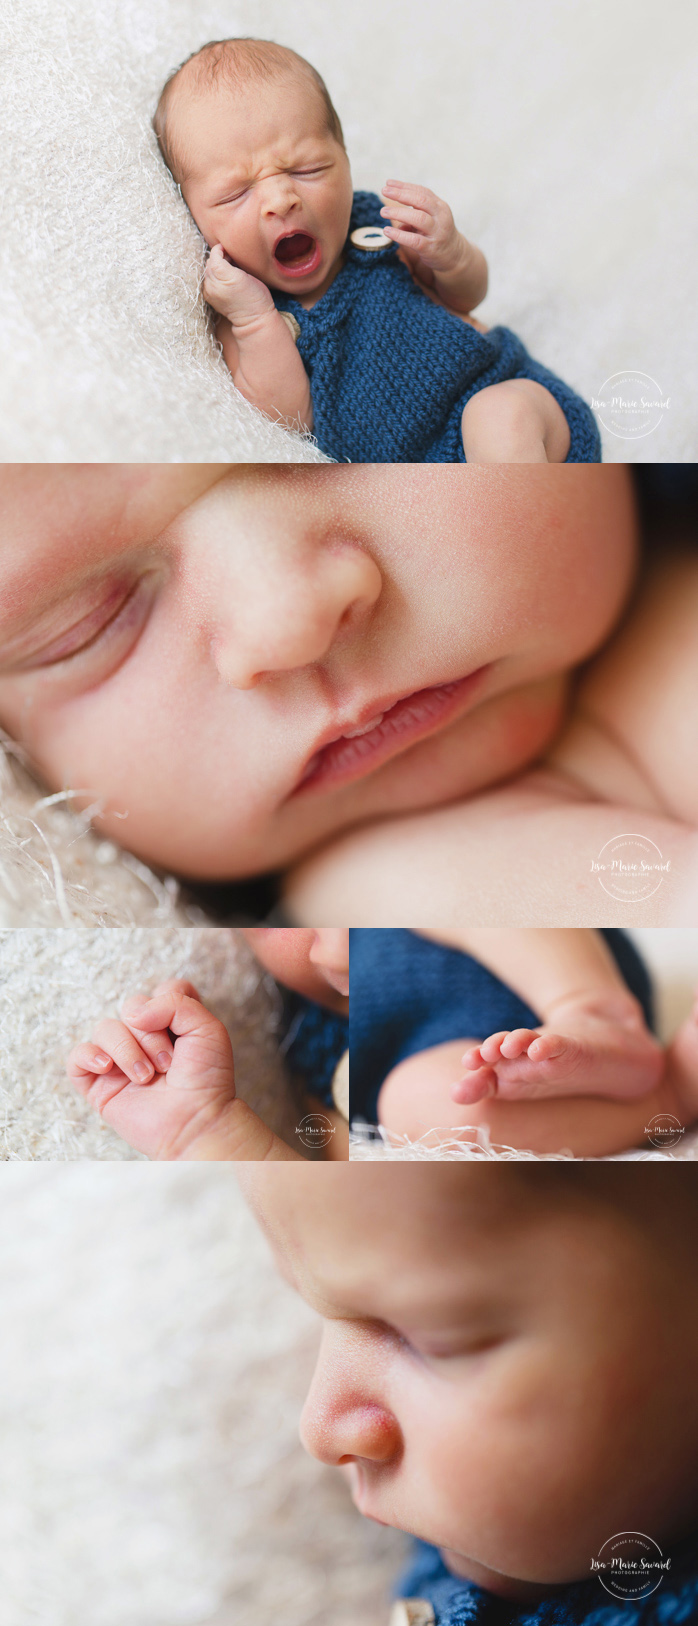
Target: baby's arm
[(257, 343), (173, 1102), (520, 855), (593, 1039), (438, 255)]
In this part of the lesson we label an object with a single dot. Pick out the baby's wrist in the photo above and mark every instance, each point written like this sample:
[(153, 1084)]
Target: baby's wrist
[(236, 1135), (267, 325), (459, 263)]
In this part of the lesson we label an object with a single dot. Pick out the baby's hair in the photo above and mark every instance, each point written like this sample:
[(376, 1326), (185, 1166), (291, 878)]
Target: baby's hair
[(237, 63)]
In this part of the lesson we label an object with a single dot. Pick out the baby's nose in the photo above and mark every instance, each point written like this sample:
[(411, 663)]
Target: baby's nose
[(286, 622), (279, 195), (345, 1415), (338, 1435)]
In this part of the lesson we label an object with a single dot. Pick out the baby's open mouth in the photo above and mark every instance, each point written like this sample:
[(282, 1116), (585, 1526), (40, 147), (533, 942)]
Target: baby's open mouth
[(298, 253)]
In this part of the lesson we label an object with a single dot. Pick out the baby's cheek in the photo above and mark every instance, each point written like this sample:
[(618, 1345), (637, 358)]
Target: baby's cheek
[(524, 724)]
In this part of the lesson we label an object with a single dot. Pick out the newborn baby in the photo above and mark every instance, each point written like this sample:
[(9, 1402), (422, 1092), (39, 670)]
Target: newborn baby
[(163, 1075), (390, 366), (229, 666), (506, 1371)]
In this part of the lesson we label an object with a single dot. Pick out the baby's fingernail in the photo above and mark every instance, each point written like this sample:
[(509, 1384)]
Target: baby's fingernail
[(141, 1071), (100, 1060), (164, 1061)]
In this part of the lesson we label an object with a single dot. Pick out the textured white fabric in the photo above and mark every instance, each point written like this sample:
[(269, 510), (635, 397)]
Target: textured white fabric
[(153, 1367), (562, 136), (57, 983)]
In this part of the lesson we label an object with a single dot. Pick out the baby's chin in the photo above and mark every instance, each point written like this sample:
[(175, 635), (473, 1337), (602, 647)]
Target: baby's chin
[(502, 1586)]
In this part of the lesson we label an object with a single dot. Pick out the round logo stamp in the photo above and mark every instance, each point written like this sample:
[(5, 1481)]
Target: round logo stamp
[(664, 1130), (630, 405), (315, 1130), (630, 1565), (630, 867)]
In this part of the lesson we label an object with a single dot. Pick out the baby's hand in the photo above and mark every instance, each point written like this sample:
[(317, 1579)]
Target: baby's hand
[(424, 227), (234, 293), (168, 1100), (158, 1095)]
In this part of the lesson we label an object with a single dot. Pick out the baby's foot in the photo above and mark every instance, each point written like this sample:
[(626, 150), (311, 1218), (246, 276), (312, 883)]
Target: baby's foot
[(593, 1047), (234, 293)]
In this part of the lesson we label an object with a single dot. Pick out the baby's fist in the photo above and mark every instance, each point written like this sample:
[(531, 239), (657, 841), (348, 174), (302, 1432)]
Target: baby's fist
[(234, 293), (160, 1098)]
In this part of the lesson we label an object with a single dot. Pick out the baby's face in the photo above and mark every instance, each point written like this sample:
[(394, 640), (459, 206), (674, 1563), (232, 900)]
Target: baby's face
[(264, 178), (315, 962), (491, 1363), (237, 662)]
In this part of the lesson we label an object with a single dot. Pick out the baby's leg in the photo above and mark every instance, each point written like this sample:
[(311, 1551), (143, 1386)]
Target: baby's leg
[(416, 1098), (517, 421), (593, 1039)]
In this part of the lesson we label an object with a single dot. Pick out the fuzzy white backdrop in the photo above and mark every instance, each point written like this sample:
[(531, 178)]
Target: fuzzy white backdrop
[(563, 135), (57, 983), (152, 1371)]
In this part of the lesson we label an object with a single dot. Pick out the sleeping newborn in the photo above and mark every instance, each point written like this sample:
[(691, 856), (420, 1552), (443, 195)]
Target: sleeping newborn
[(506, 1371), (336, 314)]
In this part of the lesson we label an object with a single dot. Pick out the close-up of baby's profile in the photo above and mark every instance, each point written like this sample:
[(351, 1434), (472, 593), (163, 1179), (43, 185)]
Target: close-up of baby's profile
[(361, 681), (494, 1342), (343, 313)]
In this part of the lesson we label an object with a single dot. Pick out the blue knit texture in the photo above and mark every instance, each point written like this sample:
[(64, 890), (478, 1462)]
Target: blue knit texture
[(585, 1603), (315, 1041), (390, 371), (409, 993)]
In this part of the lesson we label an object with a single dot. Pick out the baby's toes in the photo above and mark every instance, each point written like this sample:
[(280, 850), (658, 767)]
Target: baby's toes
[(472, 1058), (517, 1043), (491, 1048), (474, 1087), (548, 1047)]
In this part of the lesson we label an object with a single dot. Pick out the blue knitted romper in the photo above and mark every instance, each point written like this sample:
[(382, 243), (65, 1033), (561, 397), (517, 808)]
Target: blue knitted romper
[(583, 1603), (390, 371)]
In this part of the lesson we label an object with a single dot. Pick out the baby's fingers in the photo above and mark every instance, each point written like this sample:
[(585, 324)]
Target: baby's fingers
[(87, 1062), (203, 1052), (117, 1041), (420, 197), (403, 214)]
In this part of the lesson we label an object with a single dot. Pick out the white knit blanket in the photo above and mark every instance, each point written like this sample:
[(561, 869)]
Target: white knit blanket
[(153, 1367)]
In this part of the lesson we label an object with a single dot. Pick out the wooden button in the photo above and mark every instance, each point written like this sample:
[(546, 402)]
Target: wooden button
[(370, 237), (292, 324), (412, 1612)]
